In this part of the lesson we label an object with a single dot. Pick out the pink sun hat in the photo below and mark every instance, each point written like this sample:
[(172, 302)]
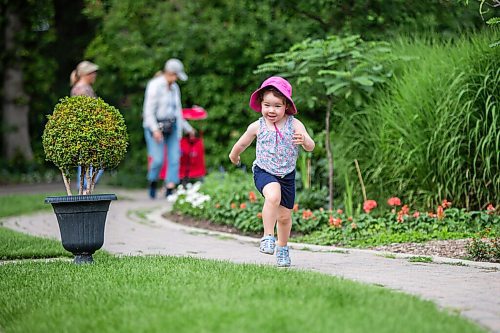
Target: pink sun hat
[(279, 83)]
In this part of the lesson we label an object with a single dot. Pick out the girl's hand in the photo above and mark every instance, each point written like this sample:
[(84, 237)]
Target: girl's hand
[(298, 138), (234, 159)]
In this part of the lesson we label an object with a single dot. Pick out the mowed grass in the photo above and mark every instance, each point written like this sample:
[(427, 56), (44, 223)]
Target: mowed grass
[(172, 294), (16, 245), (22, 204)]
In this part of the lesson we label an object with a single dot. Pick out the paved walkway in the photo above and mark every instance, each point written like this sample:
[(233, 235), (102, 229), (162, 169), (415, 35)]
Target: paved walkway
[(135, 226)]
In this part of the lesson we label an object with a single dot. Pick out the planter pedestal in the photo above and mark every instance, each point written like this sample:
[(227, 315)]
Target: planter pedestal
[(81, 221)]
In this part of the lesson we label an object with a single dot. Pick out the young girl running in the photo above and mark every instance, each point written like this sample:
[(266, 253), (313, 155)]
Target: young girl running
[(279, 135)]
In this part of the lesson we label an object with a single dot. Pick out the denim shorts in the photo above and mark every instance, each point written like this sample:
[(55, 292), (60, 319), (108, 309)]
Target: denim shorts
[(287, 183)]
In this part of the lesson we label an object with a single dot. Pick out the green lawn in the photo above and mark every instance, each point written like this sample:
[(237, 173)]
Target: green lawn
[(170, 294), (15, 245), (21, 204)]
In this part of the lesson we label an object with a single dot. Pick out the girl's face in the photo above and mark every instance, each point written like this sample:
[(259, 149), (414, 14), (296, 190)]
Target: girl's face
[(273, 107)]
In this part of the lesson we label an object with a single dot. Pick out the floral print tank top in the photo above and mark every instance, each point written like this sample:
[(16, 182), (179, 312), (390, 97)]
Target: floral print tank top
[(275, 152)]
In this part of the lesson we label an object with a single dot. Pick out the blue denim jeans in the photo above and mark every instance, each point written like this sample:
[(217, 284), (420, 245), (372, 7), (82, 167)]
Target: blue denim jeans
[(99, 174), (155, 151)]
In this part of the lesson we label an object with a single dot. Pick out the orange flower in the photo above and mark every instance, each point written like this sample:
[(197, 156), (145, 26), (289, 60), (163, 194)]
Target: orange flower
[(349, 219), (394, 201), (490, 209), (330, 220), (368, 205), (440, 213), (339, 211), (217, 205), (338, 222), (259, 215), (296, 207), (307, 214), (243, 205), (233, 205), (416, 214), (431, 214), (400, 217), (446, 204), (405, 210), (252, 197)]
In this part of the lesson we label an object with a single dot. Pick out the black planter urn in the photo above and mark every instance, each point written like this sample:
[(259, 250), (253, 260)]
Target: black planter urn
[(81, 221)]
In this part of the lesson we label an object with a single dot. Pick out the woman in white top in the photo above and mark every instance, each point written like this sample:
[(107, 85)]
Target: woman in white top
[(163, 124)]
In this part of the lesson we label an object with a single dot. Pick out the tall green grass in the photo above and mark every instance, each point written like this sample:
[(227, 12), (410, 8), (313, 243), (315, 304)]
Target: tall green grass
[(169, 294), (434, 132)]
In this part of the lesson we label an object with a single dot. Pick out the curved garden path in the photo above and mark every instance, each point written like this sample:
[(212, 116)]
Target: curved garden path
[(135, 226)]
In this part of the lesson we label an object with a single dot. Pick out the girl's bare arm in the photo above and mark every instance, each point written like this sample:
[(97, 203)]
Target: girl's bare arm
[(301, 137), (244, 141)]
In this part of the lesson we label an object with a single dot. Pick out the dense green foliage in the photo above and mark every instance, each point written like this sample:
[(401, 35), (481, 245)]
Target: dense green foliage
[(85, 131), (221, 43), (171, 294), (433, 133)]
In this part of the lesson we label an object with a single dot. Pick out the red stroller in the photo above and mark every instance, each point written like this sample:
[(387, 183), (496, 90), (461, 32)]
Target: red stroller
[(192, 163)]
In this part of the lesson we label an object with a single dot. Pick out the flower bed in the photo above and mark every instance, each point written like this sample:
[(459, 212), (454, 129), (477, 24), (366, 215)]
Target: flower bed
[(231, 200)]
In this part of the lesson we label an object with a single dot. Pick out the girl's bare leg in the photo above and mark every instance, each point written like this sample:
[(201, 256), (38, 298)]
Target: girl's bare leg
[(272, 198), (284, 225)]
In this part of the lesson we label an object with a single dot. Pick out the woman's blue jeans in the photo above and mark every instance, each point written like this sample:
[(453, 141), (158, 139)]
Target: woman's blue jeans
[(99, 174), (155, 151)]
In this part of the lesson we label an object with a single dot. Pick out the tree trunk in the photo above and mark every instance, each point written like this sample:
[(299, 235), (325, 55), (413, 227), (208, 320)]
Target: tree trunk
[(15, 108), (329, 154)]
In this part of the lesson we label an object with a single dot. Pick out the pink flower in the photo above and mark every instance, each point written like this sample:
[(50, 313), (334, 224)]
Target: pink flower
[(368, 205), (490, 209), (416, 214), (394, 201), (339, 211)]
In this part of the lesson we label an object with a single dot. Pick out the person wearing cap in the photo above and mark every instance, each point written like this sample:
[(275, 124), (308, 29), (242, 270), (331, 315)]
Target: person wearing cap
[(81, 80), (279, 135), (163, 124)]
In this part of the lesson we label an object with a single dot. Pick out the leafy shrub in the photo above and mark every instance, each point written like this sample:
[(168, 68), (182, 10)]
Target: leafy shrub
[(484, 248), (84, 131)]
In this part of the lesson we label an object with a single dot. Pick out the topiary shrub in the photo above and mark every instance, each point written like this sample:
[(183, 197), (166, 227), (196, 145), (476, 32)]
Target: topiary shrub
[(88, 132)]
